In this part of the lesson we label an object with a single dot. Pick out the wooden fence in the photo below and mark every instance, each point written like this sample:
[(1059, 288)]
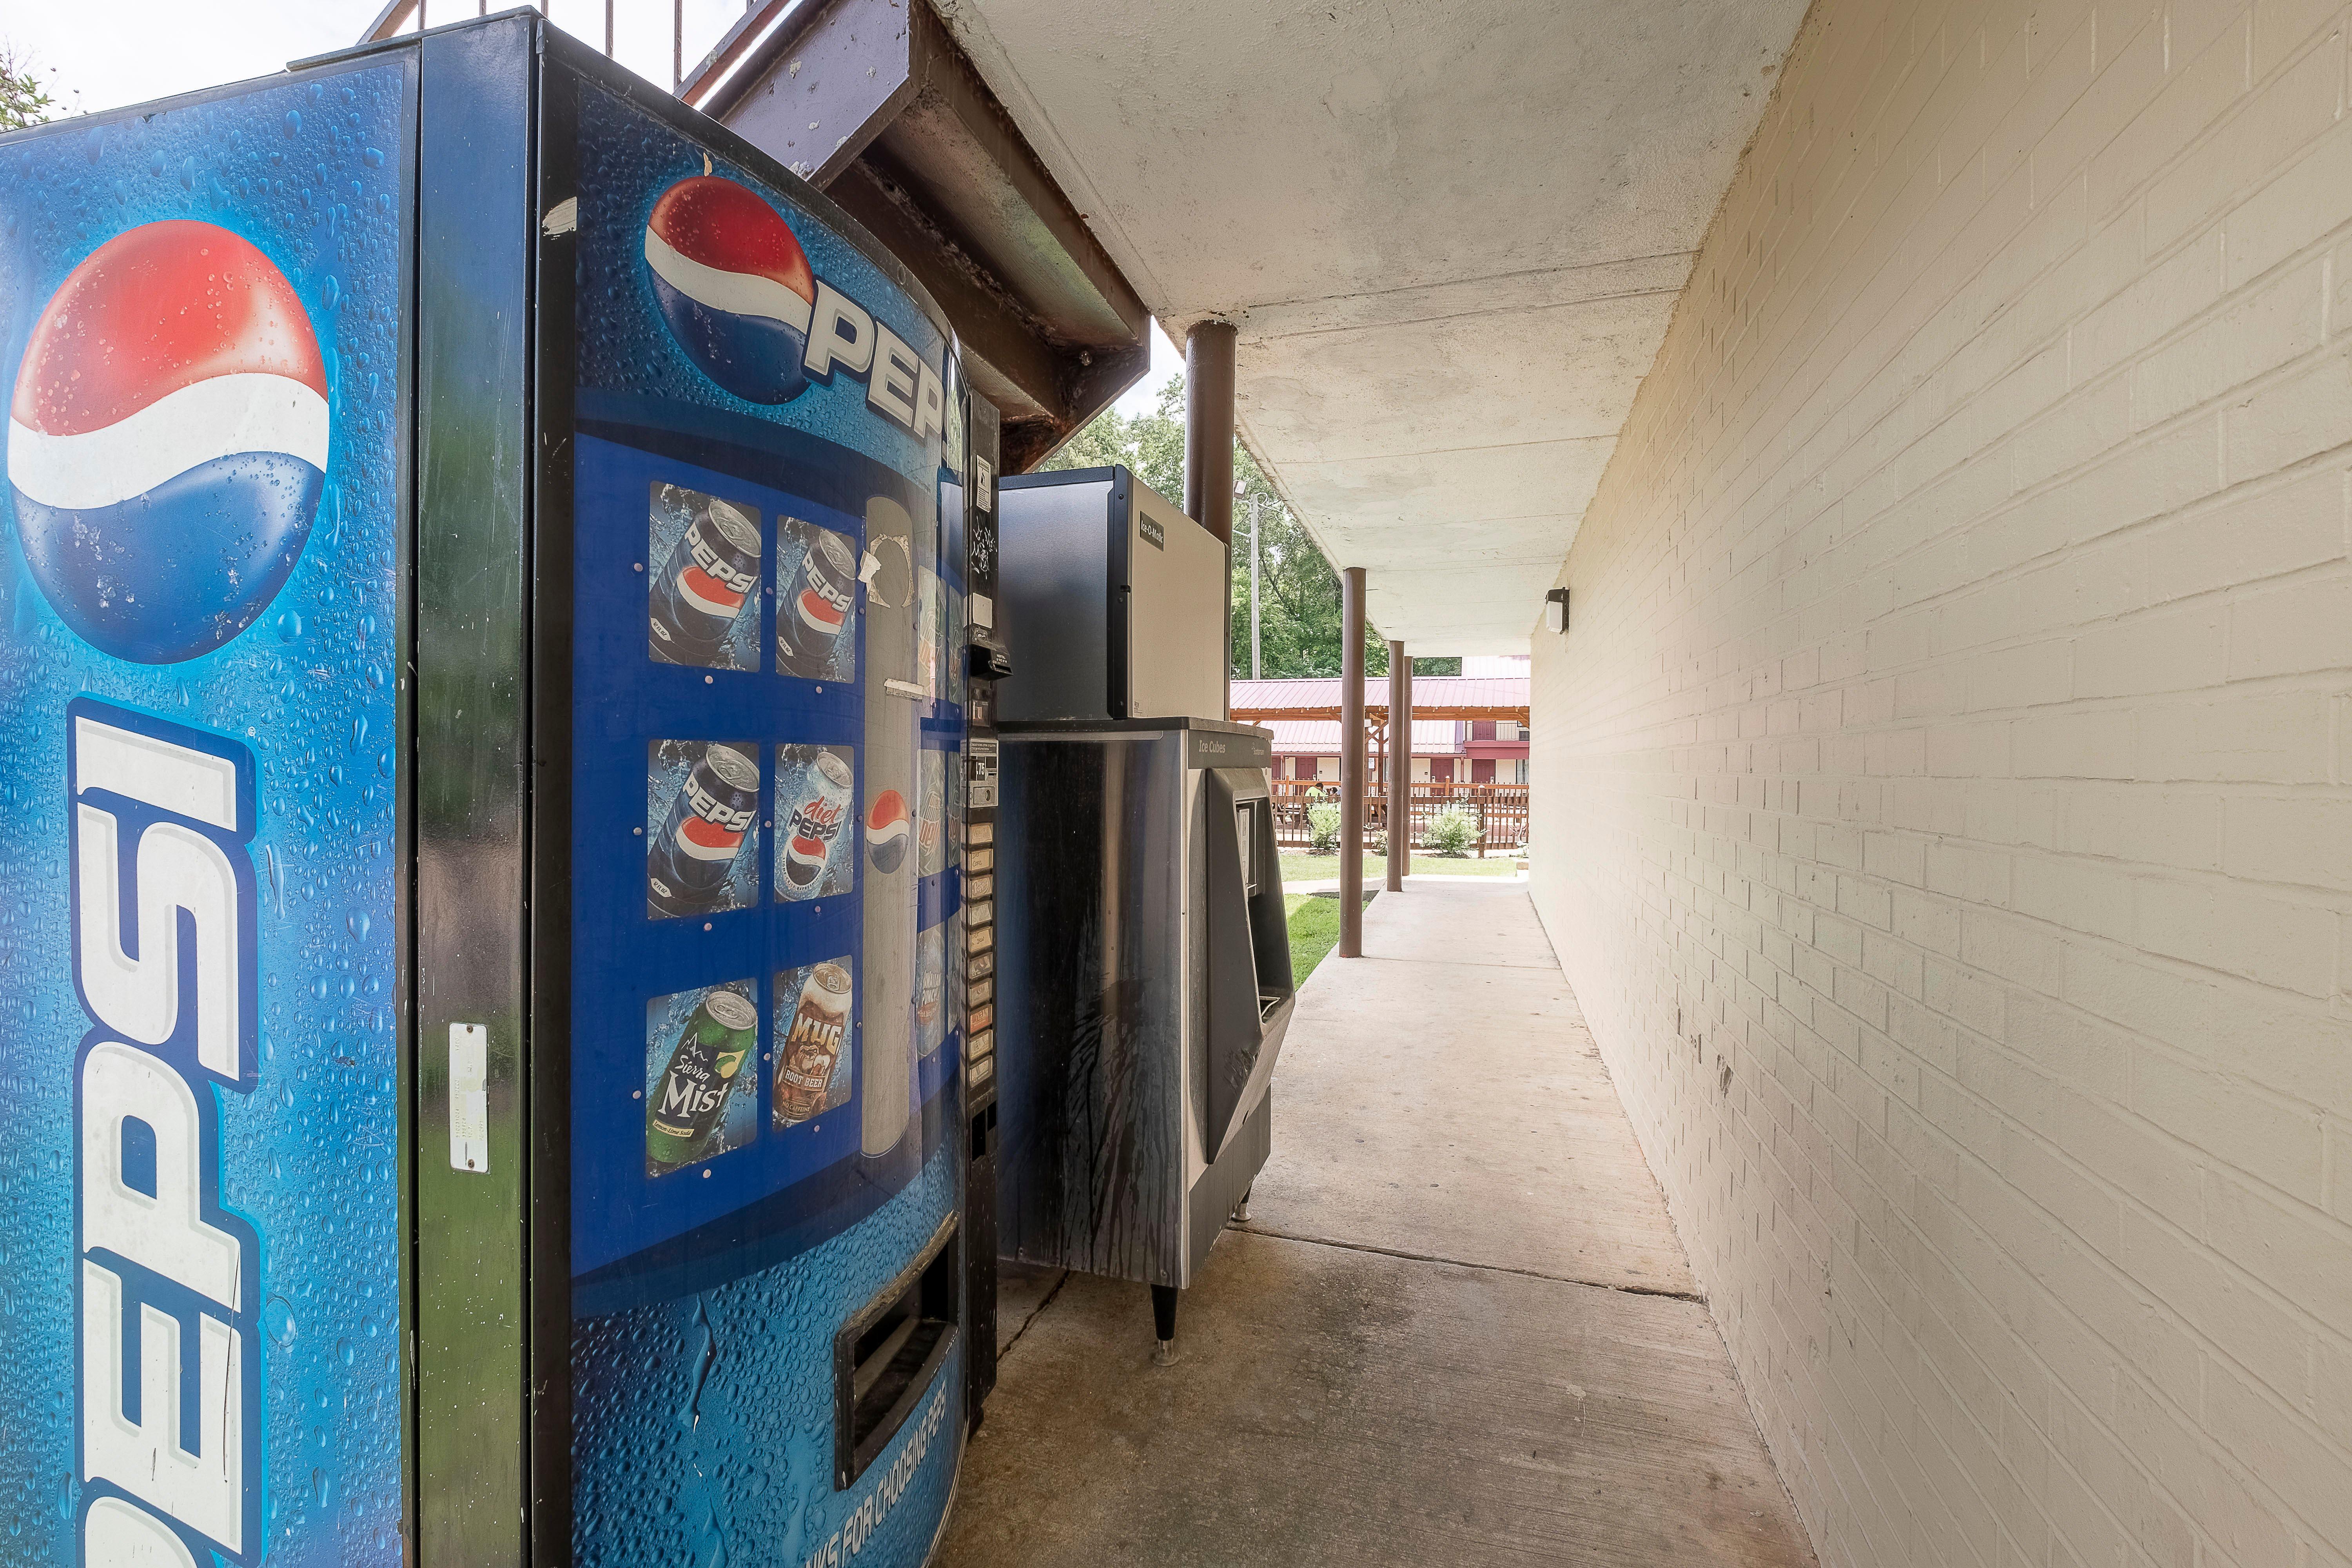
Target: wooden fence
[(1499, 810)]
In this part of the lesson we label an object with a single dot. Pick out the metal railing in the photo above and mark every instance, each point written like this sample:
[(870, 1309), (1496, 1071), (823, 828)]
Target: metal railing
[(719, 34), (1499, 810)]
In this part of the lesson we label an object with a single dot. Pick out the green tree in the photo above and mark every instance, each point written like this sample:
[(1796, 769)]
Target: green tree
[(1299, 593), (23, 99)]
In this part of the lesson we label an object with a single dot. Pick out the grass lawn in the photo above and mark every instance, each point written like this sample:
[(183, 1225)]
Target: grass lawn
[(1314, 931), (1298, 866)]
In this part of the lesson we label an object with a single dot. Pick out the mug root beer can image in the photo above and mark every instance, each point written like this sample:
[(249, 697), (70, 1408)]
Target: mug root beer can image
[(811, 1052)]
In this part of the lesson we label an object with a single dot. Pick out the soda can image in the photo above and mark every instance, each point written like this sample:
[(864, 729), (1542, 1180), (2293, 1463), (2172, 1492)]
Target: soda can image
[(930, 635), (813, 857), (696, 861), (813, 1048), (931, 822), (816, 599), (708, 578), (689, 1097), (930, 990)]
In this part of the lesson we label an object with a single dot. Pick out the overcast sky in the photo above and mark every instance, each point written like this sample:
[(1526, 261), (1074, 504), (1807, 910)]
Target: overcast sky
[(103, 54)]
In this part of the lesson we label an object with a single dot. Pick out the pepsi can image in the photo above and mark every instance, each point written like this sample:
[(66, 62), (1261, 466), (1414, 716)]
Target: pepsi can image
[(813, 608), (814, 826), (687, 1112), (704, 585), (690, 864)]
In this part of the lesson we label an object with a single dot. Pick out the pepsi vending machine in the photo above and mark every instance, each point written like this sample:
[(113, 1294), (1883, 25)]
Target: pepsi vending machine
[(482, 730)]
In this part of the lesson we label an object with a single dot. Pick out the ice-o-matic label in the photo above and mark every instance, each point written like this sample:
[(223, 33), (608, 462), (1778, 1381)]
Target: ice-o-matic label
[(737, 293)]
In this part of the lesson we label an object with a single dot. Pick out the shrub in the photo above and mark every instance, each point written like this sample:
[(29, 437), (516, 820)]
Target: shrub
[(1323, 826), (1453, 831)]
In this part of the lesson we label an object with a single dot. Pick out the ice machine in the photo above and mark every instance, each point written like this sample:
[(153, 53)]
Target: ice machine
[(1115, 601), (482, 709), (1144, 956)]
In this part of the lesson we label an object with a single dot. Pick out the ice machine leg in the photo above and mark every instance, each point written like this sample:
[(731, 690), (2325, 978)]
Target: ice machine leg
[(1163, 1324)]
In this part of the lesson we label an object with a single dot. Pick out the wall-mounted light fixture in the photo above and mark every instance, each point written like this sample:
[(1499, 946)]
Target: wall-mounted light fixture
[(1556, 610)]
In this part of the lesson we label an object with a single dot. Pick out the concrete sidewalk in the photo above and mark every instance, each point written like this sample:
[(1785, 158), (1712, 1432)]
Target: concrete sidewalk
[(1457, 1328)]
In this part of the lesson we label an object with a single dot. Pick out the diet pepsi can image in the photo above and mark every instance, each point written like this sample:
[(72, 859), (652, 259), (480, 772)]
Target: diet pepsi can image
[(808, 1055), (687, 1110), (701, 589), (813, 824), (690, 864), (814, 606)]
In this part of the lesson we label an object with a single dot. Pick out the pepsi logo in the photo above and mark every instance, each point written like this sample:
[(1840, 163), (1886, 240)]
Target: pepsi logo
[(734, 286), (887, 831), (167, 441)]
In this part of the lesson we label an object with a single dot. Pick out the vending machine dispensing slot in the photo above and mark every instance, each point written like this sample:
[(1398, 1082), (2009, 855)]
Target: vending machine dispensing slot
[(885, 1355)]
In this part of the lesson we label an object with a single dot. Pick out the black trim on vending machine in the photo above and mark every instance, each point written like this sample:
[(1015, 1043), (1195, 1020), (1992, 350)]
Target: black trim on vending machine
[(473, 497), (550, 1213)]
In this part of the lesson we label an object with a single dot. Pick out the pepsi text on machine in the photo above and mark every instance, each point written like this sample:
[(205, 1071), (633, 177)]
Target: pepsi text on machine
[(155, 1246), (737, 291)]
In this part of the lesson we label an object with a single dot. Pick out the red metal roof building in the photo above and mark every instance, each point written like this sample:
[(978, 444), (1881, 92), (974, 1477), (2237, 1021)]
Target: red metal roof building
[(1466, 728)]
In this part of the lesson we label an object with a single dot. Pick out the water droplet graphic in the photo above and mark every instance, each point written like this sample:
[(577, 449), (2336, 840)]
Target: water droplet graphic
[(290, 627), (278, 1318), (358, 923)]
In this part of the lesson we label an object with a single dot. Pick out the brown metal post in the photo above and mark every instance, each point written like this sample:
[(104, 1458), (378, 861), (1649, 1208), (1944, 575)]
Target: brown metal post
[(1400, 765), (1209, 428), (1209, 450), (1352, 763)]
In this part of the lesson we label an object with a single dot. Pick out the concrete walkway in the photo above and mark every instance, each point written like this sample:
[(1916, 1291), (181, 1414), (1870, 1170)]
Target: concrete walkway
[(1457, 1328)]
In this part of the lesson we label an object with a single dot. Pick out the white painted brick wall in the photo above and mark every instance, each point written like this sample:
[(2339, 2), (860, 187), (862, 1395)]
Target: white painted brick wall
[(1944, 796)]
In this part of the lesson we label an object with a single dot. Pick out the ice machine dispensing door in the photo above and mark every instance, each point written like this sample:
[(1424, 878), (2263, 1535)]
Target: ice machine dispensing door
[(1251, 992)]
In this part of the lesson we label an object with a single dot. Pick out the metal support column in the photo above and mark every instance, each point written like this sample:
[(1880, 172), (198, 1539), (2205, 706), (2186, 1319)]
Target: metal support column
[(1209, 450), (1400, 765), (1352, 763)]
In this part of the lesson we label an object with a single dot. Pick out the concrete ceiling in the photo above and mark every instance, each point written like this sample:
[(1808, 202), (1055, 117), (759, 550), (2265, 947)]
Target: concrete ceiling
[(1450, 236)]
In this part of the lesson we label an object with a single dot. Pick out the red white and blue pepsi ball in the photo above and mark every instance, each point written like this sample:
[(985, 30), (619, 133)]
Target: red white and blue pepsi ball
[(734, 286), (167, 441), (886, 832)]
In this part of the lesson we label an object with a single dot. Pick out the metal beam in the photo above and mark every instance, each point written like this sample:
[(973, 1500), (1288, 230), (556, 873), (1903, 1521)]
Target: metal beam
[(1352, 764)]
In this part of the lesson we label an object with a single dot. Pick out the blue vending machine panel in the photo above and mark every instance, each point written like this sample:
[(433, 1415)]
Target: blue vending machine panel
[(202, 613), (765, 736)]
